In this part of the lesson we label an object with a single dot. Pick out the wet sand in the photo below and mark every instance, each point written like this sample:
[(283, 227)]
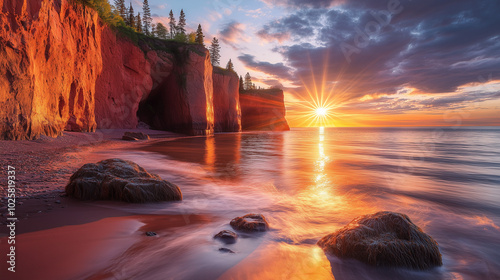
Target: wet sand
[(43, 168), (61, 238)]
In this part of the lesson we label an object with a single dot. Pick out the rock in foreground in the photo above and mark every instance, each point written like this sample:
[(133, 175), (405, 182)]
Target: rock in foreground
[(384, 239), (227, 236), (250, 222), (122, 180)]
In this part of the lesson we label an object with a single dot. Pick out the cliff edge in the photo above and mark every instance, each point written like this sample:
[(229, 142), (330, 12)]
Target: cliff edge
[(63, 69), (263, 109)]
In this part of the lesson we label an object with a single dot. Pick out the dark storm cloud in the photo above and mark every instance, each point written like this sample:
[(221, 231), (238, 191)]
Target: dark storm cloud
[(382, 46), (277, 69), (300, 25)]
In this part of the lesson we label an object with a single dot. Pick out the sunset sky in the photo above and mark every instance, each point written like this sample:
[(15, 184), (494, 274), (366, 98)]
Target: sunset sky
[(370, 63)]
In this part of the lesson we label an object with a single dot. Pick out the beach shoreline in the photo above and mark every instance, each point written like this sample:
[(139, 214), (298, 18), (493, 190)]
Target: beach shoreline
[(43, 168)]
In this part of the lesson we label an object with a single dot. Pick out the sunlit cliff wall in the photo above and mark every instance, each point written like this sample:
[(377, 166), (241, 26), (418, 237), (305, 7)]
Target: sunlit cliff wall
[(226, 101), (50, 58), (62, 68), (263, 110)]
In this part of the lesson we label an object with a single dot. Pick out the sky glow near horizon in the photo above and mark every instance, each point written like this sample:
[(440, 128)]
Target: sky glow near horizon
[(370, 63)]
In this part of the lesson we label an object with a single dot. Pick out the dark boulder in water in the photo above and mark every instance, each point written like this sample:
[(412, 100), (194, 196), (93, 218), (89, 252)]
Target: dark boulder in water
[(227, 236), (250, 222), (384, 239), (122, 180), (226, 250)]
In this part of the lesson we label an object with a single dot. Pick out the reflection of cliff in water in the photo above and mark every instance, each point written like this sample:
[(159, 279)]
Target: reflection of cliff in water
[(222, 156)]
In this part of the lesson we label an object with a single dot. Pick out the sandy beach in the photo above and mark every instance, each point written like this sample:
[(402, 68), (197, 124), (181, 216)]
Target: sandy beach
[(44, 166)]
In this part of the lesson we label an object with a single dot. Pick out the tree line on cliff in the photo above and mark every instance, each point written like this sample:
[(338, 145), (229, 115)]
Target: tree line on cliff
[(118, 15)]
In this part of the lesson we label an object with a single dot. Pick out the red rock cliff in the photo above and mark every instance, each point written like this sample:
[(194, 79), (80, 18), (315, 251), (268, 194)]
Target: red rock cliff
[(226, 101), (263, 110), (50, 58), (62, 68), (183, 101)]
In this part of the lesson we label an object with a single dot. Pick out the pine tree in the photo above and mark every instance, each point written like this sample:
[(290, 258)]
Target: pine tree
[(153, 31), (181, 26), (161, 31), (121, 9), (215, 52), (172, 25), (242, 87), (199, 36), (138, 21), (146, 17), (131, 17), (248, 82), (230, 66)]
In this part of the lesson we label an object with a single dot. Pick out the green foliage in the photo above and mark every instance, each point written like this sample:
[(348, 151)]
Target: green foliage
[(146, 17), (199, 36), (248, 85), (105, 10), (138, 23), (192, 38), (181, 37), (153, 31), (172, 24), (215, 52), (131, 20), (230, 66), (120, 8), (181, 26), (161, 31), (242, 87)]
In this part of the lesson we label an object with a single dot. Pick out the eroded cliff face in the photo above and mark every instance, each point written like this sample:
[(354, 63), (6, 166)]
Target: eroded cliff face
[(226, 101), (50, 58), (183, 102), (128, 76), (263, 110), (62, 68)]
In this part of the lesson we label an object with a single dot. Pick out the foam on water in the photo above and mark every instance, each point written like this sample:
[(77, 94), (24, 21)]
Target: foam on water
[(308, 183)]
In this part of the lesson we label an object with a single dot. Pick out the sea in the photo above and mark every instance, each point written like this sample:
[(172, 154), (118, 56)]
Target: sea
[(310, 182)]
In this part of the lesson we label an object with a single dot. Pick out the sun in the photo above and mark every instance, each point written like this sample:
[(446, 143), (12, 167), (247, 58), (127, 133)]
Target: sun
[(321, 112)]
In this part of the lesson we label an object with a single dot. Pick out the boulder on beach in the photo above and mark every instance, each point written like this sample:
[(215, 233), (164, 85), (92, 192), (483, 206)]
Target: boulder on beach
[(122, 180), (134, 136), (384, 239), (250, 222), (226, 236)]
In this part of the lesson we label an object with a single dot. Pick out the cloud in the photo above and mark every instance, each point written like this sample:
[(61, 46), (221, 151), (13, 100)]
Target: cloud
[(272, 69), (366, 47), (301, 25), (233, 33), (303, 3)]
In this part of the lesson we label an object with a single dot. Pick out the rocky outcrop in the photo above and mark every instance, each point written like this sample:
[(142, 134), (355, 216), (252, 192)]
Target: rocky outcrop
[(226, 236), (129, 74), (226, 101), (384, 239), (122, 180), (183, 102), (62, 68), (263, 110), (50, 59), (250, 222)]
